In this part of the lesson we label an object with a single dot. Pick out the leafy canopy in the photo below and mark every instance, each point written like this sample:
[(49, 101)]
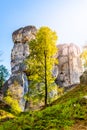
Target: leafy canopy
[(44, 43)]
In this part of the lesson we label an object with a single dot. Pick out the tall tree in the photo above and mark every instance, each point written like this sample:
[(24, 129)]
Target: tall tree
[(42, 58)]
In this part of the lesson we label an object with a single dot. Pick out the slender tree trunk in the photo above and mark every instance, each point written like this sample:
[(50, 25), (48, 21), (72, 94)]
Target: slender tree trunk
[(45, 78)]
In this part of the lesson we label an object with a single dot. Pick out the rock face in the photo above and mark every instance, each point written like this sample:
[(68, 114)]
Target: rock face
[(20, 51), (69, 67)]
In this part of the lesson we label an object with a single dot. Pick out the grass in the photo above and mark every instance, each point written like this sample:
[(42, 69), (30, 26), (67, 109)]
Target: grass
[(66, 113)]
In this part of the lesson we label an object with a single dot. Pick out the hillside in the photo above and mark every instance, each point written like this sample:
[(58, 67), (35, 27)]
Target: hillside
[(69, 112)]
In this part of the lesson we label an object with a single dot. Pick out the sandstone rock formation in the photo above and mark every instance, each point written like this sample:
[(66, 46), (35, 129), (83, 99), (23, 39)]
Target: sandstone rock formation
[(67, 71), (20, 51), (70, 66)]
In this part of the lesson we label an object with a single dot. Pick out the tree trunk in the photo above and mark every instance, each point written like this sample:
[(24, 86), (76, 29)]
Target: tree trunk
[(45, 78)]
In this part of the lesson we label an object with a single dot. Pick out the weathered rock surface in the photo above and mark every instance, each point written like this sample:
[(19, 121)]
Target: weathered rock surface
[(24, 35), (20, 51), (70, 66)]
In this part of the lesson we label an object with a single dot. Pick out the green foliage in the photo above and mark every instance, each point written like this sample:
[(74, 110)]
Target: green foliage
[(44, 42), (35, 94), (60, 116), (12, 98), (42, 59), (5, 115), (3, 75), (84, 57), (14, 104)]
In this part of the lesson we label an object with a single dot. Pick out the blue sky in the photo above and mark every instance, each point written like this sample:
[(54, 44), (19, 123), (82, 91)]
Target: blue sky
[(67, 17)]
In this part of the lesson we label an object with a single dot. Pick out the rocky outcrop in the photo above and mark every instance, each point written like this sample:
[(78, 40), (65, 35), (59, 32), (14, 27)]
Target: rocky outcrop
[(20, 51), (70, 66)]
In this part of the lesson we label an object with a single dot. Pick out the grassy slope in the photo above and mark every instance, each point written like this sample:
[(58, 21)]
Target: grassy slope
[(67, 113)]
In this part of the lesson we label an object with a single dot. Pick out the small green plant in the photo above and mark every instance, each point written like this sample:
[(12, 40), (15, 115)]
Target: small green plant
[(12, 98), (15, 108)]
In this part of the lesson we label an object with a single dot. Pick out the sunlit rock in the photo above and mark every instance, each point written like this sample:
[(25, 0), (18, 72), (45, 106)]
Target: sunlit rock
[(70, 66)]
